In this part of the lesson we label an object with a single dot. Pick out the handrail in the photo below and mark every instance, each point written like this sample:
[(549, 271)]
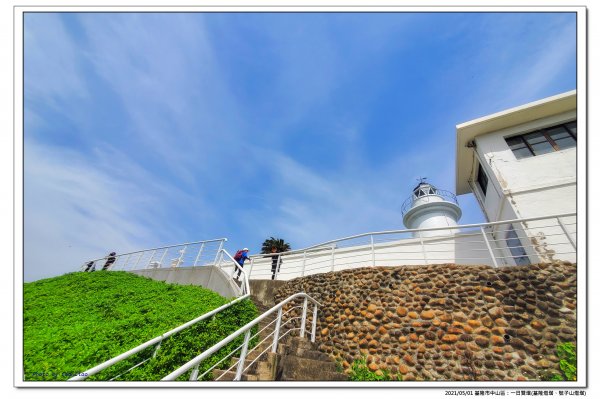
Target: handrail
[(237, 266), (153, 341), (152, 256), (166, 246), (243, 330), (323, 245)]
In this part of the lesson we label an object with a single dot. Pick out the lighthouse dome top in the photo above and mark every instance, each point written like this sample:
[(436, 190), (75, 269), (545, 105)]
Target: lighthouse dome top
[(424, 189), (425, 193)]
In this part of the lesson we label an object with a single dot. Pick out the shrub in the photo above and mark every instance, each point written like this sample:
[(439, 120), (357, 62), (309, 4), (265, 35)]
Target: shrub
[(359, 371), (567, 355), (79, 320)]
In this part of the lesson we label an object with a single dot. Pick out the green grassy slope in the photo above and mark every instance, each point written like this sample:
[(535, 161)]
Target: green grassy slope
[(78, 320)]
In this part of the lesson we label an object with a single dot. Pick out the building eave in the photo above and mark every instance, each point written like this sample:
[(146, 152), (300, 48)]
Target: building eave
[(468, 131)]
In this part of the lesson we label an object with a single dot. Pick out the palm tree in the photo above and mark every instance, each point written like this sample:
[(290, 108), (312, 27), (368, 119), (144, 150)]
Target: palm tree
[(277, 243)]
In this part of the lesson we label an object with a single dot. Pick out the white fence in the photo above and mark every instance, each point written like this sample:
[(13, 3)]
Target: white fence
[(199, 253), (506, 243)]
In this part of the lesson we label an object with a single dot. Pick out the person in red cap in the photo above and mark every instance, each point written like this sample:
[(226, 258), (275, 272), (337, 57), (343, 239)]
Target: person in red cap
[(240, 257)]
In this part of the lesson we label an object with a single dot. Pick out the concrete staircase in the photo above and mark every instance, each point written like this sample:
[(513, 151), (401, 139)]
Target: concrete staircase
[(301, 361), (297, 359)]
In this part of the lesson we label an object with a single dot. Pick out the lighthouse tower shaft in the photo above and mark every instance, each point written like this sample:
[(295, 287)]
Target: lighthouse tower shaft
[(429, 207)]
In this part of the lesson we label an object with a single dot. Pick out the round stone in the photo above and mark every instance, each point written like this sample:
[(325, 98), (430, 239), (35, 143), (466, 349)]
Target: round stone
[(427, 314)]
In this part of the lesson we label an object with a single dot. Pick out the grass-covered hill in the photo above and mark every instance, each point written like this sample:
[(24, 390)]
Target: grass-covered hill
[(78, 320)]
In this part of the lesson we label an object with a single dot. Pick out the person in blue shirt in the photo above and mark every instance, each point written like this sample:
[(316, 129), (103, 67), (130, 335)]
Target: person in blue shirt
[(241, 258)]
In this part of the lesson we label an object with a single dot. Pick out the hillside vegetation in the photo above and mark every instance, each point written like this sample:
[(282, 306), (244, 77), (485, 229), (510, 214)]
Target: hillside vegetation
[(76, 321)]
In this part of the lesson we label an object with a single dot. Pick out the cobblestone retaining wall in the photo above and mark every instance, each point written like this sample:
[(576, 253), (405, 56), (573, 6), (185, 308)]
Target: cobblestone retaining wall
[(446, 322)]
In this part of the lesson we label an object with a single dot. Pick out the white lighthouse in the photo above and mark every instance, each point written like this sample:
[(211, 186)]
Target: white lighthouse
[(429, 207)]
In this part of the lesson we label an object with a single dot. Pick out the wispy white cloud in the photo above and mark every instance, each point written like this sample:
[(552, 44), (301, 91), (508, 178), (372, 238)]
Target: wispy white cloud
[(517, 58), (312, 205), (552, 56), (163, 70), (72, 210), (80, 207), (51, 63)]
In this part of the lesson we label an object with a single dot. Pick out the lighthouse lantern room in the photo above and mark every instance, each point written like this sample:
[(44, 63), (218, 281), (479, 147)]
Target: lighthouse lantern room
[(429, 207)]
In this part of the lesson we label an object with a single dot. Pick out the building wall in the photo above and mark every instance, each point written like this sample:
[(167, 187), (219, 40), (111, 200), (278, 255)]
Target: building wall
[(534, 186), (530, 187)]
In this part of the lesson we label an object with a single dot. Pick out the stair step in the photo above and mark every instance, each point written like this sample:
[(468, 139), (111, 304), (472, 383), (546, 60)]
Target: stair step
[(294, 368), (223, 375), (313, 355), (295, 344), (264, 366), (251, 357)]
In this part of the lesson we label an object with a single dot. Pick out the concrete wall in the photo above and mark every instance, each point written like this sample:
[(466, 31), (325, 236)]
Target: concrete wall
[(210, 277)]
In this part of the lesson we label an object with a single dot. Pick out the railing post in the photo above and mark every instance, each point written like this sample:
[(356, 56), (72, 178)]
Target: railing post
[(181, 253), (139, 259), (276, 332), (303, 324), (332, 257), (219, 251), (423, 249), (487, 244), (314, 324), (157, 348), (564, 229), (199, 254), (251, 268), (162, 258), (240, 366), (194, 374), (150, 260), (126, 262), (303, 263), (372, 251)]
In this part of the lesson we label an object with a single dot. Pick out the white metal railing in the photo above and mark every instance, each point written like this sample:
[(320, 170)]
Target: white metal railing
[(244, 289), (276, 335), (199, 253), (502, 243), (436, 195)]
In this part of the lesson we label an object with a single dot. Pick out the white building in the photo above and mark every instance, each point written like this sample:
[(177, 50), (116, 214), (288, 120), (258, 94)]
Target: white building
[(519, 164)]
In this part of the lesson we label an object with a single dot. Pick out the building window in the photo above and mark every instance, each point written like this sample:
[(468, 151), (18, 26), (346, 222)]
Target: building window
[(513, 243), (482, 179), (543, 141)]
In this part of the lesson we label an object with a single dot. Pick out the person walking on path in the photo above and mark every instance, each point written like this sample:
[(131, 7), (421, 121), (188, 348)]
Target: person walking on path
[(240, 257), (109, 260), (89, 267), (273, 248), (275, 262)]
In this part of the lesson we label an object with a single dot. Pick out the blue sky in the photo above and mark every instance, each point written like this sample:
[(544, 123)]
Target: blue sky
[(147, 129)]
